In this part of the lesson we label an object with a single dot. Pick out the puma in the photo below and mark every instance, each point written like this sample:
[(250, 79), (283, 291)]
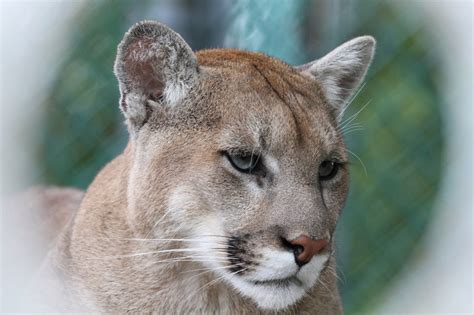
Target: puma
[(227, 195)]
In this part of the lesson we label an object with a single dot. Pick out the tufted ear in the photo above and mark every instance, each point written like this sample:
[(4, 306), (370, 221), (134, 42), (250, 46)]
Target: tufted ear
[(342, 71), (154, 67)]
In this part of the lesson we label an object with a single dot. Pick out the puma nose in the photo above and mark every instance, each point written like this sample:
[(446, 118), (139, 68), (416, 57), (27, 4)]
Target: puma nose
[(305, 248)]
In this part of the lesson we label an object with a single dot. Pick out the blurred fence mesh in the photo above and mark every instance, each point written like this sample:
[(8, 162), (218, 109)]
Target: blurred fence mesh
[(396, 137)]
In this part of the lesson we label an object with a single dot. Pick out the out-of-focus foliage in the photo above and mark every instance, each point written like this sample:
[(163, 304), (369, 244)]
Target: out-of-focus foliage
[(399, 127), (272, 27), (84, 127)]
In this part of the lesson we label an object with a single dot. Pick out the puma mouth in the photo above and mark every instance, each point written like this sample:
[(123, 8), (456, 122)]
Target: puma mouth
[(276, 283)]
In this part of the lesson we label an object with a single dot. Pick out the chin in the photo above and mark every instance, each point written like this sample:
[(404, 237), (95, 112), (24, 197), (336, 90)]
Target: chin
[(271, 295), (279, 294)]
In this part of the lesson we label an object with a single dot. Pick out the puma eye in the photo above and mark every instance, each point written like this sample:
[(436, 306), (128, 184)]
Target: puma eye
[(327, 170), (245, 162)]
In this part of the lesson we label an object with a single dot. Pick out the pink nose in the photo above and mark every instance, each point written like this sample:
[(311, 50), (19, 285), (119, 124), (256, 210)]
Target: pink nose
[(305, 248)]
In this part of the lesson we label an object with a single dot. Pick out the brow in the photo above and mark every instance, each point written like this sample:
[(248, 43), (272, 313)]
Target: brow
[(243, 141), (236, 146)]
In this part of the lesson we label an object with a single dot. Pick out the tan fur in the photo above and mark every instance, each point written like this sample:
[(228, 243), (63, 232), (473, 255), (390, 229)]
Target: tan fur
[(173, 182)]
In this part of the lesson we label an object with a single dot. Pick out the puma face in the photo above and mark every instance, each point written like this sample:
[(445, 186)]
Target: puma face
[(238, 157), (264, 189)]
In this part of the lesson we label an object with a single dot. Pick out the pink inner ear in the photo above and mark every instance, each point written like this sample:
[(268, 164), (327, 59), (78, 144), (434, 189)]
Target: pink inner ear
[(142, 65)]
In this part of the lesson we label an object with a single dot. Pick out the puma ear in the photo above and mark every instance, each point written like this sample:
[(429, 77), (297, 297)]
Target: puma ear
[(342, 71), (154, 67)]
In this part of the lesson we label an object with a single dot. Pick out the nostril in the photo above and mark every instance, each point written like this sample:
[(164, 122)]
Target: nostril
[(304, 248), (297, 250), (286, 244)]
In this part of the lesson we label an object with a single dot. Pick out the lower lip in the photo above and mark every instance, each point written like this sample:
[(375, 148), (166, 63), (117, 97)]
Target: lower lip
[(280, 282)]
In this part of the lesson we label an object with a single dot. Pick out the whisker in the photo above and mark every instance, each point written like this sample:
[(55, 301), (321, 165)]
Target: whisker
[(167, 239), (159, 221), (360, 160), (214, 235), (325, 286), (361, 87), (182, 250), (201, 269), (212, 282), (351, 128), (219, 279), (207, 270), (334, 273), (354, 116), (187, 260), (217, 258), (194, 258), (162, 239)]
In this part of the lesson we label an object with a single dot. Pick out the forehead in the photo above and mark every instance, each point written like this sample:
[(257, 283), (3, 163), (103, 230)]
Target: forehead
[(264, 102)]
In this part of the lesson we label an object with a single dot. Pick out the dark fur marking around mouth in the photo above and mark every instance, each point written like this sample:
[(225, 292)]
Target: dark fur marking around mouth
[(280, 282), (238, 254)]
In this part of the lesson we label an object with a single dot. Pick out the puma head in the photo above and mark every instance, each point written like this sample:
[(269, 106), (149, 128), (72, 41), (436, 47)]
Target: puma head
[(239, 154)]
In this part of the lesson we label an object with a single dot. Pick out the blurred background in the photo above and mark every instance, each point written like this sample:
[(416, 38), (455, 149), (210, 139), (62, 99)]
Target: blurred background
[(405, 239)]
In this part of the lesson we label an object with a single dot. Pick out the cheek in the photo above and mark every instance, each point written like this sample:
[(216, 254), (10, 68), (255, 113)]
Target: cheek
[(236, 200), (192, 217), (335, 195)]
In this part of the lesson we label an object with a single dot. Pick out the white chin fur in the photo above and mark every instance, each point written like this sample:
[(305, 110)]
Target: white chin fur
[(279, 296), (271, 297)]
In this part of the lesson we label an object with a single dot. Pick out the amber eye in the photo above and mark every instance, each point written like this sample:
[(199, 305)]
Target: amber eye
[(327, 170), (245, 162)]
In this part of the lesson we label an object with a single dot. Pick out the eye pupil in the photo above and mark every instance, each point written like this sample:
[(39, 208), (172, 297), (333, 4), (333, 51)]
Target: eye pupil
[(243, 161), (327, 170)]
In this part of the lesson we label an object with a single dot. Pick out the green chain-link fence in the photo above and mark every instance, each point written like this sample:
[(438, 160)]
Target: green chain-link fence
[(399, 129)]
